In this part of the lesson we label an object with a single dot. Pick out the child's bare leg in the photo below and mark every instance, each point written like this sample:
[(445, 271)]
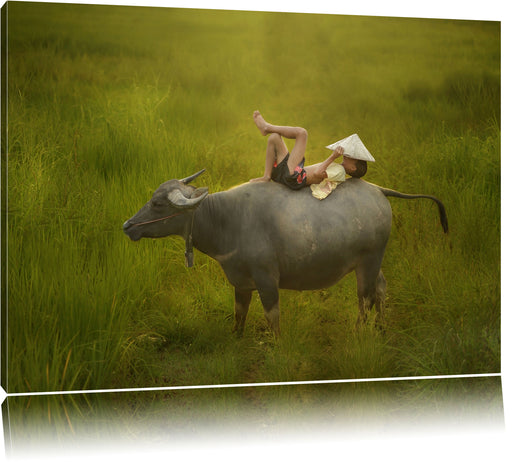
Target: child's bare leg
[(318, 172), (300, 135), (276, 152)]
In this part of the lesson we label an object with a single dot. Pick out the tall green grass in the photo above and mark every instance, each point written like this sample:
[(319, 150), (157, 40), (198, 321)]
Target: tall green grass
[(106, 103)]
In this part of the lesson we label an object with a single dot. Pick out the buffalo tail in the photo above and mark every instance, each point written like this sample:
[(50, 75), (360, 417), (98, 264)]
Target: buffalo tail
[(440, 205)]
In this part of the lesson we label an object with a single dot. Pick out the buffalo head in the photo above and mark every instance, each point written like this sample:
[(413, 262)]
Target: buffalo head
[(169, 211)]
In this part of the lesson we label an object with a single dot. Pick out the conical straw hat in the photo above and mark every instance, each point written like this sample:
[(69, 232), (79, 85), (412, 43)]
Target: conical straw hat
[(353, 147)]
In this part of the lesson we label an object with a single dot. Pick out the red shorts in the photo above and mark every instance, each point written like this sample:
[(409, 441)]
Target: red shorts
[(281, 174)]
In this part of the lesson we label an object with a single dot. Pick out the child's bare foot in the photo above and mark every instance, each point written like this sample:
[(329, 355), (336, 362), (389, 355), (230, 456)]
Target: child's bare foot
[(260, 180), (260, 122)]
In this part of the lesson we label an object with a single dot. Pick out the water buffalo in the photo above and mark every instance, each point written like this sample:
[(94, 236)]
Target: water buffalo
[(266, 236)]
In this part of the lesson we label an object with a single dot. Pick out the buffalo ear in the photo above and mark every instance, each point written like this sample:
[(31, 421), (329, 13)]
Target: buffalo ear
[(192, 177), (199, 192)]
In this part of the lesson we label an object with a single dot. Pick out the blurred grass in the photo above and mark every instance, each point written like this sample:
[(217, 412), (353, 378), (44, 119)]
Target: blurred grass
[(198, 416), (106, 103)]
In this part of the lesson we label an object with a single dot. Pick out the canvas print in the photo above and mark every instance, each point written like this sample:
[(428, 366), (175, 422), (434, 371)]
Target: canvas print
[(211, 197)]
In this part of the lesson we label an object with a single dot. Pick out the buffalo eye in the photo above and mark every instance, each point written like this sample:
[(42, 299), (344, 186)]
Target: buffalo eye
[(157, 203)]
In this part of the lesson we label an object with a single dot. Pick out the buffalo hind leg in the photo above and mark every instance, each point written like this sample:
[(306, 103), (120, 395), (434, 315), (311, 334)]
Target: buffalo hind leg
[(242, 301), (380, 299), (371, 287)]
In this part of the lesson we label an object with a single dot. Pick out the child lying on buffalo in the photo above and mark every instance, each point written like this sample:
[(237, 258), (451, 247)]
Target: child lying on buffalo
[(288, 167)]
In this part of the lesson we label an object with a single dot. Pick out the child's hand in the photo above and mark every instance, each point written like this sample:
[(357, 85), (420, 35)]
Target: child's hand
[(339, 151)]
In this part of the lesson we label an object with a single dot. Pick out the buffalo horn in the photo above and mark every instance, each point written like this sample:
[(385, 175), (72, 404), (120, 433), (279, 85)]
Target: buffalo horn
[(192, 177), (177, 199)]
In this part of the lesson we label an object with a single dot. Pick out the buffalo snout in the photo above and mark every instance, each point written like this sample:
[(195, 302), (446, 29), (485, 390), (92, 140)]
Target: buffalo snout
[(131, 231)]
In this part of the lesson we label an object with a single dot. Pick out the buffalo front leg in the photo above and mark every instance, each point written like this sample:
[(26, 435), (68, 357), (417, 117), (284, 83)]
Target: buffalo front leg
[(365, 305), (269, 296), (242, 301)]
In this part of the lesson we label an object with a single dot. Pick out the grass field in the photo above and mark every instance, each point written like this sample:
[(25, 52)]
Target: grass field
[(106, 103)]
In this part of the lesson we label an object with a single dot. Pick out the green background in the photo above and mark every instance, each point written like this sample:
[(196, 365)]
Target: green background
[(106, 103)]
